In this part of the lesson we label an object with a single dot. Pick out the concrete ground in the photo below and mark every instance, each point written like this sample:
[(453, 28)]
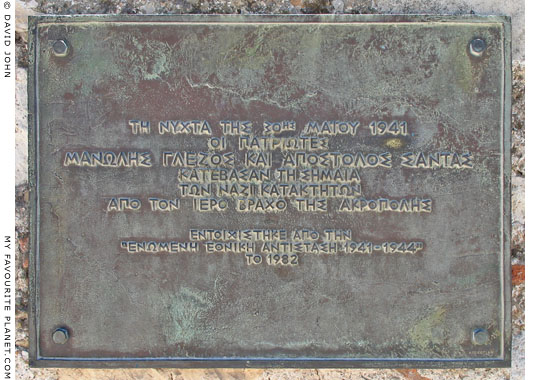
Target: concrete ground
[(514, 9)]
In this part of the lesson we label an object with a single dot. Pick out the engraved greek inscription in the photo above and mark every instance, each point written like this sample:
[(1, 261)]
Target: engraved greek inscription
[(300, 246), (319, 248), (190, 127), (194, 159), (132, 246), (273, 173), (338, 159), (224, 175), (361, 247), (337, 235), (236, 127), (195, 189), (308, 204), (229, 247), (413, 205), (423, 160), (306, 143), (309, 190), (237, 235), (278, 247), (260, 159), (343, 175), (366, 247), (210, 204), (331, 128), (123, 204), (281, 259), (158, 204), (286, 174), (253, 259), (236, 190), (108, 159), (334, 175), (401, 247), (217, 143), (305, 234), (261, 205), (394, 127), (139, 127), (275, 128)]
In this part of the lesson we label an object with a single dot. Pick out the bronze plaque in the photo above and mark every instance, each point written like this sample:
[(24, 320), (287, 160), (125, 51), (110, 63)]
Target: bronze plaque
[(270, 191)]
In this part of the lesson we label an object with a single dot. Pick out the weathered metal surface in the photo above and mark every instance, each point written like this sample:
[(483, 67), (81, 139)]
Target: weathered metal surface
[(388, 130)]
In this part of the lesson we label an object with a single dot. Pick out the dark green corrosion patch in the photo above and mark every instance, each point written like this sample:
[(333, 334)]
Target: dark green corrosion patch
[(270, 191)]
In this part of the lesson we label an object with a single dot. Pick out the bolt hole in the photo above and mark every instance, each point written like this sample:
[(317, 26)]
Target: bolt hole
[(60, 48), (477, 47), (60, 335)]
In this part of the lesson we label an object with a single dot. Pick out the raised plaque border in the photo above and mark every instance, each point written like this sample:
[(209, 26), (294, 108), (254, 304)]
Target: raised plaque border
[(36, 360)]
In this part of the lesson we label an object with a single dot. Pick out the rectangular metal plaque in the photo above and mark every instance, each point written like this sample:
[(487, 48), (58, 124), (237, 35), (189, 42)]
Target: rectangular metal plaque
[(270, 191)]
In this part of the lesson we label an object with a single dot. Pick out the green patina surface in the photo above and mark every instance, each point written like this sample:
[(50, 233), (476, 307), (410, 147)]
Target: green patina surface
[(208, 309)]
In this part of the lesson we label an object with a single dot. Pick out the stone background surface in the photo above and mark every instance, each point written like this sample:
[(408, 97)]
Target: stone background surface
[(516, 9)]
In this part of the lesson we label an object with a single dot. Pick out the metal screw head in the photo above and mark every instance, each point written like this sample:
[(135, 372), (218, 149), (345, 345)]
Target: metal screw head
[(60, 48), (477, 46), (480, 336), (60, 335)]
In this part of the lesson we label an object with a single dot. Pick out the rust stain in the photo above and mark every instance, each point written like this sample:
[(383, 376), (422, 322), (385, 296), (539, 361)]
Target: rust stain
[(23, 244), (411, 374), (297, 3), (518, 274)]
